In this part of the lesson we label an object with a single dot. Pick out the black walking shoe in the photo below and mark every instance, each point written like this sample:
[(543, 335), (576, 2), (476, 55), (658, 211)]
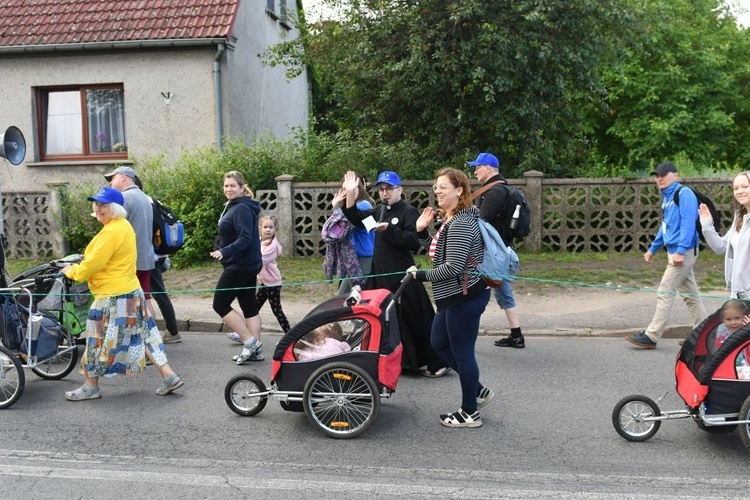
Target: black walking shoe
[(509, 341)]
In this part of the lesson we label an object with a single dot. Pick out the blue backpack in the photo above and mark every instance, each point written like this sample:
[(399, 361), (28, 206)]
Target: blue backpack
[(169, 232), (499, 262)]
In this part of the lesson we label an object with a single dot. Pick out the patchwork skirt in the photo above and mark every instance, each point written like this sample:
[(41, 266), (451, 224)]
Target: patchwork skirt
[(118, 332)]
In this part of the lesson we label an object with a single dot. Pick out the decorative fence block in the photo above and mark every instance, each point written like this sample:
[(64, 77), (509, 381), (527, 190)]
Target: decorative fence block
[(572, 215)]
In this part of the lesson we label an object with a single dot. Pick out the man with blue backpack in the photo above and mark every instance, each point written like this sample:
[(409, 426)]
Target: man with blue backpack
[(679, 236), (494, 202)]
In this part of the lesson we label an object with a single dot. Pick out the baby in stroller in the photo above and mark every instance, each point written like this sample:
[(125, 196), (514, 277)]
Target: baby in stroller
[(321, 342), (735, 314)]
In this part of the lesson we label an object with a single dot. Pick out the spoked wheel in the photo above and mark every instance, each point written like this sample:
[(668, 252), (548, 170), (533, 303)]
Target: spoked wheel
[(745, 428), (341, 400), (242, 395), (62, 363), (628, 418), (11, 378)]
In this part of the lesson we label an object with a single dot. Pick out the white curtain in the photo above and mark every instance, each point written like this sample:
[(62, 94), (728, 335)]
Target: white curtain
[(63, 134)]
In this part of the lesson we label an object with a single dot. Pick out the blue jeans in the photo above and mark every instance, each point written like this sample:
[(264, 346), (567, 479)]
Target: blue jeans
[(454, 337), (504, 296)]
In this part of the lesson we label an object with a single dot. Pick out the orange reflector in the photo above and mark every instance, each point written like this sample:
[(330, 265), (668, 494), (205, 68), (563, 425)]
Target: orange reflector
[(340, 424), (342, 376)]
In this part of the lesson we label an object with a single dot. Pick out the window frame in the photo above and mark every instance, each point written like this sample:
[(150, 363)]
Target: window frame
[(40, 100), (271, 9)]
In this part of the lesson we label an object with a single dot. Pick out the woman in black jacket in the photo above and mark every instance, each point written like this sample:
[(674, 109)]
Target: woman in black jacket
[(459, 291), (239, 254)]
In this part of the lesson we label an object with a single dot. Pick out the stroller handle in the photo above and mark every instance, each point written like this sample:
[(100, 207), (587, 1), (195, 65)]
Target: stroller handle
[(396, 296), (404, 283)]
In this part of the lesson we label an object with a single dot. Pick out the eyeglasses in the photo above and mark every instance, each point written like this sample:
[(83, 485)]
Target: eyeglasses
[(441, 187), (386, 189)]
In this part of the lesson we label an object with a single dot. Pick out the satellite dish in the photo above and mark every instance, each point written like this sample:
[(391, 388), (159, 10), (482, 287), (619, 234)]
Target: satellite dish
[(13, 145)]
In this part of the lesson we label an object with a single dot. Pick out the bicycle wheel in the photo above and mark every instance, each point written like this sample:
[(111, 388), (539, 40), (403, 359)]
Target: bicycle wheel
[(745, 428), (628, 418), (341, 400), (62, 363), (11, 378), (242, 395)]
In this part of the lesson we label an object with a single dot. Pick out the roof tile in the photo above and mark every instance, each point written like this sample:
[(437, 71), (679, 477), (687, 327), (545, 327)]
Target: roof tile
[(44, 22)]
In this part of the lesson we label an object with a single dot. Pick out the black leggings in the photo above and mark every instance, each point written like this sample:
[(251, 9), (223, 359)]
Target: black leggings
[(273, 295), (240, 285), (159, 294)]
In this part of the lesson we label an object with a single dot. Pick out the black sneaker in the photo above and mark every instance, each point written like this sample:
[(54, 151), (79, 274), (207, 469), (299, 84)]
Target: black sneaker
[(509, 341)]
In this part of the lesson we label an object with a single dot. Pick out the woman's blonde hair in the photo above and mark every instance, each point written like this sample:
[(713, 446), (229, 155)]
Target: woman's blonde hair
[(458, 179), (739, 208), (237, 176)]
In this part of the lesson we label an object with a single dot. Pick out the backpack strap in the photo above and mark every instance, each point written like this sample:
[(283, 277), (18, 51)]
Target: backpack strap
[(476, 194), (676, 197), (676, 200)]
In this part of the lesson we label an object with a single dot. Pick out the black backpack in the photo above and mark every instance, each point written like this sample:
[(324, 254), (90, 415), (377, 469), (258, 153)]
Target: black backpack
[(169, 232), (702, 198), (516, 221)]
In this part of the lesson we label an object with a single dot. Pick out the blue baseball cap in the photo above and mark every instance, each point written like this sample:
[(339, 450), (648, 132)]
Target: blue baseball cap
[(485, 159), (108, 195), (388, 177)]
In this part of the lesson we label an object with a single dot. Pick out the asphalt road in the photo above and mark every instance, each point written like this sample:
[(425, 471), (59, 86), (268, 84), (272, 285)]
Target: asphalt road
[(548, 434)]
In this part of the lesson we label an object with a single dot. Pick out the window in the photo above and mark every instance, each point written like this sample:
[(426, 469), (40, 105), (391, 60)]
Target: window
[(284, 20), (81, 122), (281, 15), (271, 8)]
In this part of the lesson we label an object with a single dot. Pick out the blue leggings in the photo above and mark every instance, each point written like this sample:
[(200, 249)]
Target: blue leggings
[(454, 337)]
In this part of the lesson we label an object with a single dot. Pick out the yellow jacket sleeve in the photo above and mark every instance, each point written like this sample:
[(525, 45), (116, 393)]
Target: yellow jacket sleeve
[(108, 263)]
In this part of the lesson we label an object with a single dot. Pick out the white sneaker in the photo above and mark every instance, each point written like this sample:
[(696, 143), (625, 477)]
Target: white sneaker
[(234, 337)]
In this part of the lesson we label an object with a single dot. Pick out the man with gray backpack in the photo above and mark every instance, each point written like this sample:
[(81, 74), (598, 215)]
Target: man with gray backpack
[(494, 200)]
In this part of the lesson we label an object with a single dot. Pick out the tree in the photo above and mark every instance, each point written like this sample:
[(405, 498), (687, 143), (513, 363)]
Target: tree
[(552, 85), (682, 89), (456, 77)]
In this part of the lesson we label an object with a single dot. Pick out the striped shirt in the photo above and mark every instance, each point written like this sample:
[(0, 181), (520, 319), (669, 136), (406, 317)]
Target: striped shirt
[(458, 239)]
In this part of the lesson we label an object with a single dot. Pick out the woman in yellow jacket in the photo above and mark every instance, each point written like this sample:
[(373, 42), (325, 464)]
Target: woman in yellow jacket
[(117, 333)]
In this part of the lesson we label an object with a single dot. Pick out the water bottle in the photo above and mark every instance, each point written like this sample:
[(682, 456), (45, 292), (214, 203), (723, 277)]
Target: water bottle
[(516, 215), (36, 323), (354, 295)]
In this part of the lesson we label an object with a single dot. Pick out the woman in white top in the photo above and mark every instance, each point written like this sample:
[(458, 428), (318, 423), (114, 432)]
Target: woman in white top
[(735, 244)]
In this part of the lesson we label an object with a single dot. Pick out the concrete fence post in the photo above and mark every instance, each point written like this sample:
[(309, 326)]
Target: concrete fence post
[(57, 219), (285, 212), (533, 191)]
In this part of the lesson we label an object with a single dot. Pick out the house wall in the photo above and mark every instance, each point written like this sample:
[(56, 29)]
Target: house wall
[(260, 100), (152, 126), (257, 100)]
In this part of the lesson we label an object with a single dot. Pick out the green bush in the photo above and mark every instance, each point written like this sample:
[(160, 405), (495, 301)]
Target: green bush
[(78, 226)]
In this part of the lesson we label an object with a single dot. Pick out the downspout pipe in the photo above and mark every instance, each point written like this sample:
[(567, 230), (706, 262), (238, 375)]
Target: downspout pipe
[(218, 97)]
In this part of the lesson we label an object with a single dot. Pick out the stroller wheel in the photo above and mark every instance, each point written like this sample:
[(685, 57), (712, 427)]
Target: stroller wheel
[(628, 418), (61, 364), (243, 395), (341, 400), (745, 428), (11, 378)]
